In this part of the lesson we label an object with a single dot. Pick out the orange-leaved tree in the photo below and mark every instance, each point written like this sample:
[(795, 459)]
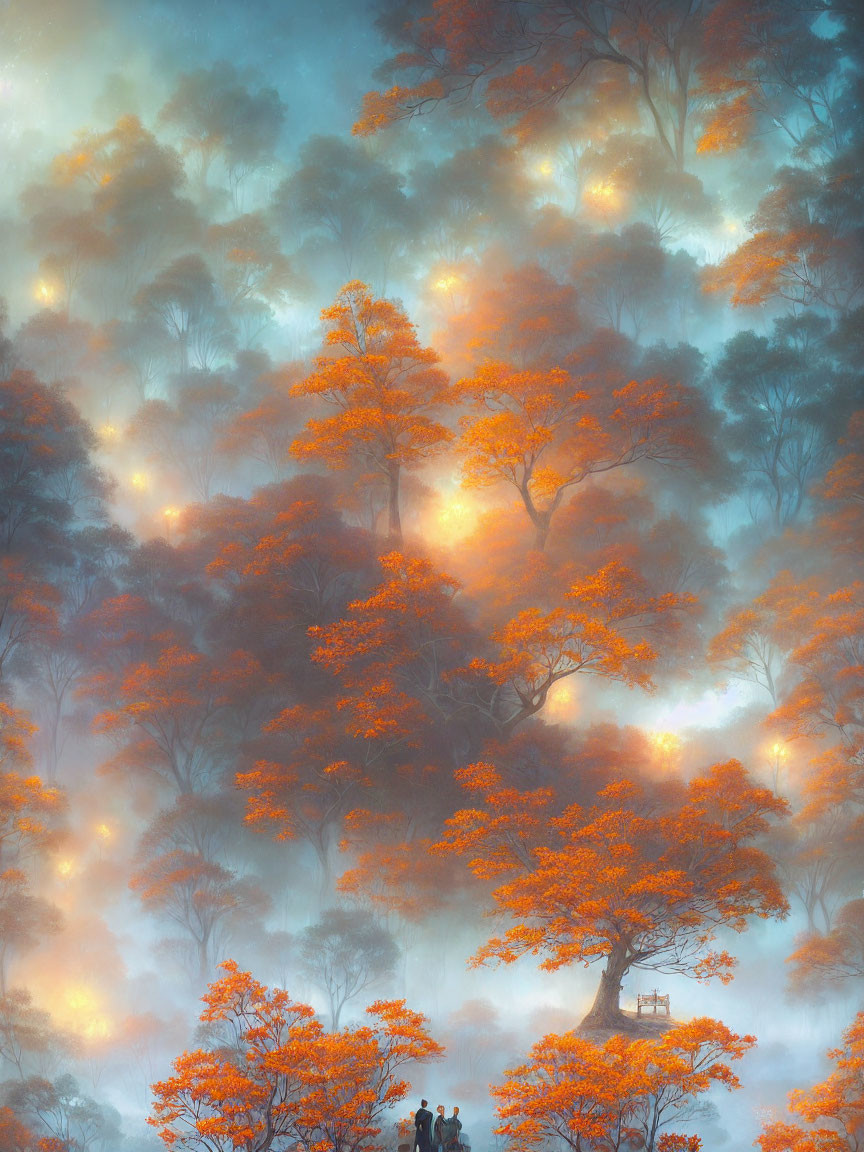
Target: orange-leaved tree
[(28, 809), (527, 60), (600, 629), (832, 1111), (401, 654), (618, 1095), (29, 816), (14, 1134), (205, 900), (835, 957), (387, 390), (307, 774), (636, 880), (826, 638), (543, 433), (171, 715), (750, 645), (272, 1077), (803, 235), (394, 649)]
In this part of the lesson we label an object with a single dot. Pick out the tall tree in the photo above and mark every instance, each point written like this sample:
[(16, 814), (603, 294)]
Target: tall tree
[(184, 300), (46, 473), (635, 881), (172, 717), (386, 388), (785, 399), (219, 114), (206, 901), (134, 185), (345, 952), (352, 198), (543, 432)]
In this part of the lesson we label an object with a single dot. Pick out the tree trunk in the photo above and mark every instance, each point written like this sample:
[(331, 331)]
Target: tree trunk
[(541, 533), (605, 1011), (541, 518), (394, 525)]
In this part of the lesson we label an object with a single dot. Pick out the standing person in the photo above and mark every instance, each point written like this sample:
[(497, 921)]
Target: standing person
[(423, 1128), (439, 1132), (454, 1125)]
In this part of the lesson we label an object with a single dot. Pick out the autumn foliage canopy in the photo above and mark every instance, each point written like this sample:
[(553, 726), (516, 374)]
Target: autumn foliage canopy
[(272, 1074)]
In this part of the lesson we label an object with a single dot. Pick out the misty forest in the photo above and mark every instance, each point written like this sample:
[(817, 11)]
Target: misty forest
[(431, 575)]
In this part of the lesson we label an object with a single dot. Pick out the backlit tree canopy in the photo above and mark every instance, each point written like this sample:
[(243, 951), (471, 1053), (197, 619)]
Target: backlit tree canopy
[(431, 461)]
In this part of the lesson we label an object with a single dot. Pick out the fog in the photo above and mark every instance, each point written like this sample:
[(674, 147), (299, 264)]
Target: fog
[(430, 492)]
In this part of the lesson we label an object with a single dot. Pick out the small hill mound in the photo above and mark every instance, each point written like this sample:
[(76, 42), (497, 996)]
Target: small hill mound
[(649, 1027)]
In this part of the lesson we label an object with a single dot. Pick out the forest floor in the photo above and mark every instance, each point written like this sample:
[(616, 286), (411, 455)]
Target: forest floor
[(646, 1026)]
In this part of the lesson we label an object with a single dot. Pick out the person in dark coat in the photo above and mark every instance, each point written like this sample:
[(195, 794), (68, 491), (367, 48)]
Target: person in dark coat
[(439, 1131), (454, 1125), (423, 1128)]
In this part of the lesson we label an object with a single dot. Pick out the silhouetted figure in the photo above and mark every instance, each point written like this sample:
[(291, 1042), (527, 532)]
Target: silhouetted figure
[(446, 1132), (423, 1128), (439, 1129), (455, 1125)]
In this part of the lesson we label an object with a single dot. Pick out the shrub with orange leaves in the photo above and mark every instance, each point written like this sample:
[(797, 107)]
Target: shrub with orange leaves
[(14, 1134), (273, 1077), (832, 1111), (620, 1095), (637, 881)]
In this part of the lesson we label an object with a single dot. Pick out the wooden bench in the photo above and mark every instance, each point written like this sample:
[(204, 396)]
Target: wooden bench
[(651, 1000)]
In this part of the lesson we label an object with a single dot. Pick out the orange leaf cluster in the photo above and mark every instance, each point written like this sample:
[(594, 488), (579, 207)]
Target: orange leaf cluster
[(402, 636), (618, 1095), (385, 387), (832, 1111), (643, 888), (542, 433), (275, 1074)]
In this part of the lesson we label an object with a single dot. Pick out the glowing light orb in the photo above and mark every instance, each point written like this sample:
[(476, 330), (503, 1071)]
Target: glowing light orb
[(446, 283), (82, 1012), (455, 517), (603, 193), (46, 293), (171, 514), (665, 744), (545, 168), (140, 481), (778, 751), (562, 703), (454, 514), (109, 433), (65, 868), (104, 833)]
